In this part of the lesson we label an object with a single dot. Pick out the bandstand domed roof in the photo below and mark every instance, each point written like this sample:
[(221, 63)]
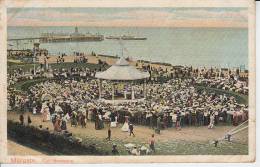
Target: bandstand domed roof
[(123, 71)]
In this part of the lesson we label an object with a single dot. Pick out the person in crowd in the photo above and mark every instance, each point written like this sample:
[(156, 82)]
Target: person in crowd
[(135, 151), (40, 127), (212, 119), (21, 119), (125, 127), (29, 121), (83, 120), (200, 117), (53, 120), (216, 117), (101, 123), (114, 150), (57, 125), (46, 113), (131, 129), (34, 107), (159, 123), (63, 124), (178, 125), (113, 120), (108, 134), (74, 119), (206, 118), (152, 143)]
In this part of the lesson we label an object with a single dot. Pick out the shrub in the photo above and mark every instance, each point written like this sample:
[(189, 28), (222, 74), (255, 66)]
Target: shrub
[(54, 143)]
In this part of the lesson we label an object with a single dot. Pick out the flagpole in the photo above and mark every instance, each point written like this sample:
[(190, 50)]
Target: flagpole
[(122, 48)]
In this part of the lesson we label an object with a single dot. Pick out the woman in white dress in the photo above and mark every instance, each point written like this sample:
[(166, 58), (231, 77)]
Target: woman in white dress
[(48, 114), (125, 127), (211, 124), (34, 107), (45, 112)]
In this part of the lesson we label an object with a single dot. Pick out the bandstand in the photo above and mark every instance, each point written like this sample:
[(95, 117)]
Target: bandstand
[(122, 73)]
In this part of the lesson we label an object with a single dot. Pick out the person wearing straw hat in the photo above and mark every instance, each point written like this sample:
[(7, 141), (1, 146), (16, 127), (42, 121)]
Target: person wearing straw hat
[(135, 151), (131, 129)]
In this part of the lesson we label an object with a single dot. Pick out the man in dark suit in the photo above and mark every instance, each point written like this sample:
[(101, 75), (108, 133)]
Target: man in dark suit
[(21, 118), (131, 129)]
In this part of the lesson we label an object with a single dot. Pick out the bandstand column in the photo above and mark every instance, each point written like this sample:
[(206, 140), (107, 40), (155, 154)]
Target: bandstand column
[(113, 91), (132, 91), (125, 92)]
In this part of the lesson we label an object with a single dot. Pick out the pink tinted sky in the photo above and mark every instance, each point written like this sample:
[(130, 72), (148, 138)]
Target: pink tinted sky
[(129, 17)]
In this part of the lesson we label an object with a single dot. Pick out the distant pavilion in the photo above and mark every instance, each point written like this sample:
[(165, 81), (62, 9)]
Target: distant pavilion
[(122, 72)]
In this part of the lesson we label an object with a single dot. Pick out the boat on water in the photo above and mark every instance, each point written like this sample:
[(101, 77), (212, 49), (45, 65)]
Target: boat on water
[(113, 37), (126, 37), (73, 37)]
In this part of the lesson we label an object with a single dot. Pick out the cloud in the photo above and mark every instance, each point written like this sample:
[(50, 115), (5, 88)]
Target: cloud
[(154, 17), (205, 14)]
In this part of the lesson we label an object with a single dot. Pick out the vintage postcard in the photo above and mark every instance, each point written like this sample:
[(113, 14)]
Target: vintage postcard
[(127, 81)]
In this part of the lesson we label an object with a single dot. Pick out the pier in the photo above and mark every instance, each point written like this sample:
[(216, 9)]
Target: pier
[(25, 39)]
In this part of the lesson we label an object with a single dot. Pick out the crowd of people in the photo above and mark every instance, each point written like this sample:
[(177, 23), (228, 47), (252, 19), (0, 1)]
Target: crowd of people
[(60, 59), (174, 103), (20, 54), (230, 84)]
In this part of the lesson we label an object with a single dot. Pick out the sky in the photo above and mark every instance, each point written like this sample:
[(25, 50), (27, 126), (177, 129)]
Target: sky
[(128, 17)]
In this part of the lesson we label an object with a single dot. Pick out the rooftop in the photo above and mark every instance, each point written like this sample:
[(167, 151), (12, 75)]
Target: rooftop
[(123, 71)]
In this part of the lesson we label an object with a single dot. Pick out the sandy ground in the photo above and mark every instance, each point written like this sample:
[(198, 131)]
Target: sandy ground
[(94, 60), (17, 149), (142, 133)]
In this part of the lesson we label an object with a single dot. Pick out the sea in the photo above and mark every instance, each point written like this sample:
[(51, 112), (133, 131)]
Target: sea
[(197, 47)]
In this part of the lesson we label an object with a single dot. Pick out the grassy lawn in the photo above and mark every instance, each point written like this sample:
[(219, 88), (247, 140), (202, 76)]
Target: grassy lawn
[(195, 148), (24, 85), (174, 147), (16, 65)]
